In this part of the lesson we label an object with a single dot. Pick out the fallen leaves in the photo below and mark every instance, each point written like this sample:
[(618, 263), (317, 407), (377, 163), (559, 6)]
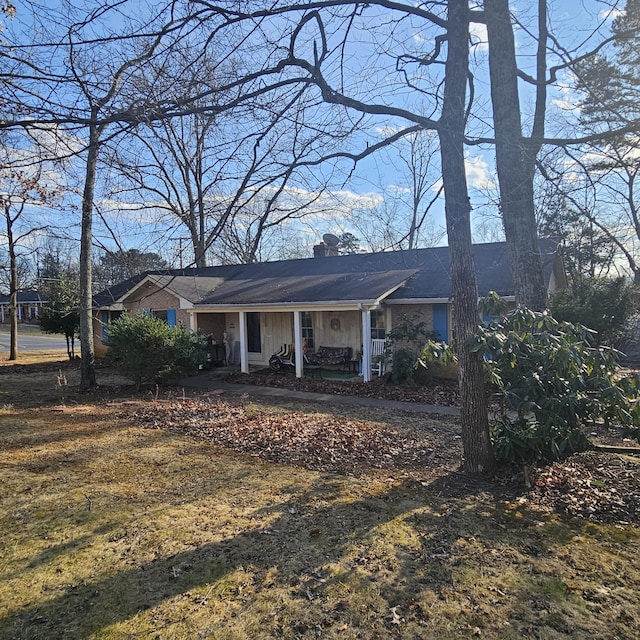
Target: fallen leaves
[(598, 486), (314, 441), (443, 392)]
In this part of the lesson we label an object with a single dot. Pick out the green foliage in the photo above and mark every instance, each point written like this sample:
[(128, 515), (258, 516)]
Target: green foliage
[(147, 349), (493, 305), (605, 305), (552, 382), (416, 352), (61, 315), (348, 244), (113, 267)]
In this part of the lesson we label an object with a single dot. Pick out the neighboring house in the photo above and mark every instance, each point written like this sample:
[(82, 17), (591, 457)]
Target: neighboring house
[(30, 305), (331, 301)]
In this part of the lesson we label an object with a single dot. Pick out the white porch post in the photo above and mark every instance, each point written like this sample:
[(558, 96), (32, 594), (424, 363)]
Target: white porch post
[(19, 311), (193, 322), (297, 340), (244, 347), (2, 311), (366, 345)]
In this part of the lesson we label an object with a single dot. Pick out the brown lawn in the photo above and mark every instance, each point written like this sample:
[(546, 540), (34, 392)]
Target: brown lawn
[(130, 517)]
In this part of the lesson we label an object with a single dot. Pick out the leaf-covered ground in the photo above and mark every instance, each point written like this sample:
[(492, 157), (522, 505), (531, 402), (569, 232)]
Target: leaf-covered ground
[(441, 392), (313, 440), (601, 487)]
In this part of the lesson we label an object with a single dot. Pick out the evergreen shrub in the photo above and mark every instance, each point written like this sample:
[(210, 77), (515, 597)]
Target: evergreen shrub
[(147, 349)]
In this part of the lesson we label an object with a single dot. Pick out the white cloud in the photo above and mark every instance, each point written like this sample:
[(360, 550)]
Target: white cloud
[(610, 14), (479, 37), (478, 175), (315, 206), (567, 99), (398, 190)]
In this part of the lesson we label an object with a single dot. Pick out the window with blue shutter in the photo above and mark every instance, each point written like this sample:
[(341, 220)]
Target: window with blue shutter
[(171, 317), (441, 321)]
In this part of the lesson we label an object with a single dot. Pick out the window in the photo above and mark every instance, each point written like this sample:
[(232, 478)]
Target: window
[(378, 331), (168, 315), (307, 329), (160, 314), (253, 333)]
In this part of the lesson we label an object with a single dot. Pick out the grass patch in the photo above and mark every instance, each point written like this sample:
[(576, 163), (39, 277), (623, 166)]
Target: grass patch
[(111, 531)]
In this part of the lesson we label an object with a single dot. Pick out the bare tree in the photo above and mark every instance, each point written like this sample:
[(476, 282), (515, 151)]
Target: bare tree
[(417, 154), (21, 190), (77, 73), (475, 427)]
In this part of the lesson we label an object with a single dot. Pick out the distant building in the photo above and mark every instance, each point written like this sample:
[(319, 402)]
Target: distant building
[(30, 305)]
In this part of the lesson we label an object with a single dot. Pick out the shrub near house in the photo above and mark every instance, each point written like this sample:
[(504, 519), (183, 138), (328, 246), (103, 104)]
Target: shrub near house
[(147, 349)]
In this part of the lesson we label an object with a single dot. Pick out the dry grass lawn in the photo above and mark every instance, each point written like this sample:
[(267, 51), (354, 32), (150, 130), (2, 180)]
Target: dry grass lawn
[(110, 529)]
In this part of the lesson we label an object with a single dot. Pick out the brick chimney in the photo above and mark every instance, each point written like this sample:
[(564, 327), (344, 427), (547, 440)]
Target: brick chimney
[(319, 250)]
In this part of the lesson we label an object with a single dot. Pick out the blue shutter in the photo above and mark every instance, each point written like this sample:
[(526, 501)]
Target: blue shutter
[(171, 317), (104, 318), (441, 321)]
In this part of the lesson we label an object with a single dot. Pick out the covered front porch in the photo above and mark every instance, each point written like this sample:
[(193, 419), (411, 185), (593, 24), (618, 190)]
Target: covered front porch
[(255, 332)]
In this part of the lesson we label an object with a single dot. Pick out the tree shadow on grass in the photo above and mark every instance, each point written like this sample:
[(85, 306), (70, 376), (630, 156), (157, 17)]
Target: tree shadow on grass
[(306, 535)]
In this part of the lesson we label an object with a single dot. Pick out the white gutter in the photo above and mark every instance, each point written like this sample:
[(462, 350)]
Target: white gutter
[(435, 300), (351, 305)]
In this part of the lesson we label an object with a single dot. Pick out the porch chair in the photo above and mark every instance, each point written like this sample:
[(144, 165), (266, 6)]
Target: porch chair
[(377, 352)]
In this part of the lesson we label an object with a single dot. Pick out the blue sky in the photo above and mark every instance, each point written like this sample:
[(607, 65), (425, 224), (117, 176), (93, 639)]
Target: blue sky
[(379, 181)]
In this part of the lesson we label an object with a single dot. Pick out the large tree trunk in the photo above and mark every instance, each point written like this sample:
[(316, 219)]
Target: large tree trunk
[(515, 160), (478, 452), (13, 299), (87, 365), (13, 303)]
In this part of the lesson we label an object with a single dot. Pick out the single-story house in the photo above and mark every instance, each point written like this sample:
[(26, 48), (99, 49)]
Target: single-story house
[(331, 301), (30, 305)]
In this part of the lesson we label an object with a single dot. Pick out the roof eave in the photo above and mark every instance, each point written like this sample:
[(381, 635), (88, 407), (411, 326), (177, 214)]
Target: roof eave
[(315, 305)]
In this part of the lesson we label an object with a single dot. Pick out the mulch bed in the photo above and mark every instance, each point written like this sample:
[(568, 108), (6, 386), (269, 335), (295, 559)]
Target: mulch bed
[(442, 392)]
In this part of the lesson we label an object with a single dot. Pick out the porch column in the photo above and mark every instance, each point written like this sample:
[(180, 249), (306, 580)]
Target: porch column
[(244, 347), (19, 311), (366, 345), (2, 312), (193, 322), (297, 340)]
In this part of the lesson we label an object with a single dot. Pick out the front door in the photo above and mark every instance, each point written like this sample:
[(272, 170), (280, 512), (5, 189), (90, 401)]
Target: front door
[(254, 340)]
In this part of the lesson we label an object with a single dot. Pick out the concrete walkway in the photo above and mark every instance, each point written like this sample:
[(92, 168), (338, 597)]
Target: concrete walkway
[(212, 382)]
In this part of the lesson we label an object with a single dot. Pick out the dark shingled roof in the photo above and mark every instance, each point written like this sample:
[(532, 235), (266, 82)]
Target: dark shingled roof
[(338, 278), (25, 297), (329, 287)]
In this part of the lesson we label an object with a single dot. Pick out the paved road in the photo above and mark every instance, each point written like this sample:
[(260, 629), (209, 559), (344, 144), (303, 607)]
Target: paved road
[(34, 343)]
